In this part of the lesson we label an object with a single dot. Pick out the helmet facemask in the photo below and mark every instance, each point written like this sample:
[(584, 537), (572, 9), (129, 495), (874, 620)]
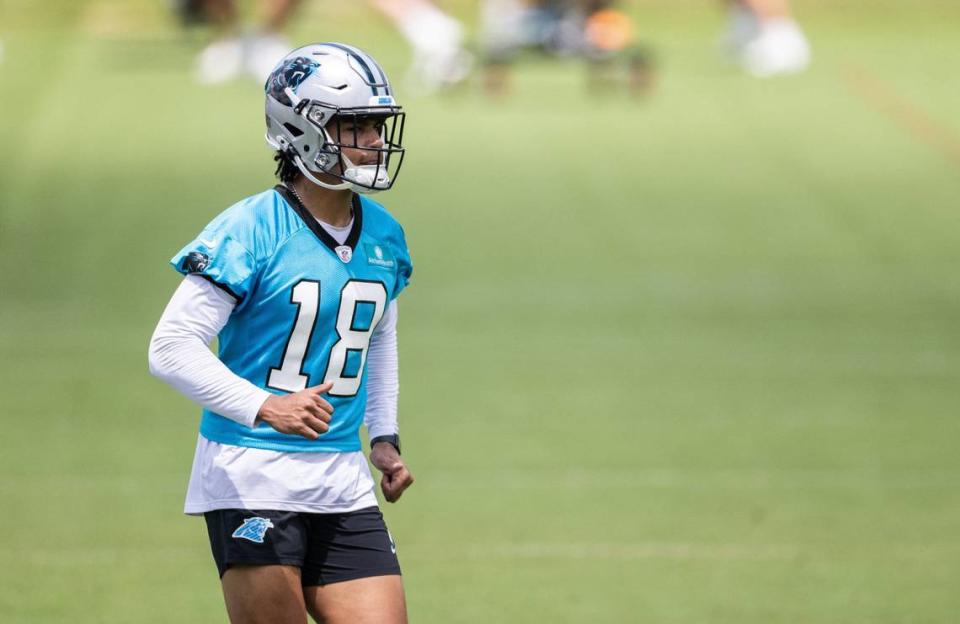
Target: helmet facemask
[(379, 164)]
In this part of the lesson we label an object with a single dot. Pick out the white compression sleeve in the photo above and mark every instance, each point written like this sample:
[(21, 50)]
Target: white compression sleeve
[(180, 354), (383, 379)]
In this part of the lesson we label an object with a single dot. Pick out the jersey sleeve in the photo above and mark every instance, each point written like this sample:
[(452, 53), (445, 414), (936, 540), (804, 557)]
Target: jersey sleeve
[(219, 257)]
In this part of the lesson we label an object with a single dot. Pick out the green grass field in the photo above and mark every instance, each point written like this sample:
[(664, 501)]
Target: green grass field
[(688, 360)]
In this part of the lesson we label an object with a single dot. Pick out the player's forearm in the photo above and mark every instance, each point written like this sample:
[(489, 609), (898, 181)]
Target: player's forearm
[(195, 372), (383, 378), (179, 353)]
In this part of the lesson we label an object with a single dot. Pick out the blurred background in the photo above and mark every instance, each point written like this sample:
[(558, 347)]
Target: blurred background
[(681, 345)]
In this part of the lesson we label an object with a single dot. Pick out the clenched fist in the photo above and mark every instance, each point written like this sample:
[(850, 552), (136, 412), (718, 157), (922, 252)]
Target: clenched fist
[(396, 476)]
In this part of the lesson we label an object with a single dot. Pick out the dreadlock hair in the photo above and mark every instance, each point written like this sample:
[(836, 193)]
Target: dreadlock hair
[(286, 169)]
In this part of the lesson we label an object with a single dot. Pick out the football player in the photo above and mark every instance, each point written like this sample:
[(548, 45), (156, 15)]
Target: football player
[(595, 30), (234, 52), (764, 38), (436, 40), (299, 283)]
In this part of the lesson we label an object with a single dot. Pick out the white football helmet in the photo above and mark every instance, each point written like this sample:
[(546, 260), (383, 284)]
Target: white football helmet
[(323, 81)]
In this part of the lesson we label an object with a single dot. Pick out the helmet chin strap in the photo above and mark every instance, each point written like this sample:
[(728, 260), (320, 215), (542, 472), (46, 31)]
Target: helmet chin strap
[(366, 173), (365, 178), (363, 174)]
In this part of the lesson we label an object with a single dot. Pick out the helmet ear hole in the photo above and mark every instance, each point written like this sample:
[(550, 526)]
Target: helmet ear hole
[(293, 130)]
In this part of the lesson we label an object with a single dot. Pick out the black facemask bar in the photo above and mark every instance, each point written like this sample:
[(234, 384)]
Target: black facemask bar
[(346, 133)]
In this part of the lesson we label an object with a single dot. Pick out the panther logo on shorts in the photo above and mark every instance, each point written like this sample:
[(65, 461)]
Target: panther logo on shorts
[(253, 529)]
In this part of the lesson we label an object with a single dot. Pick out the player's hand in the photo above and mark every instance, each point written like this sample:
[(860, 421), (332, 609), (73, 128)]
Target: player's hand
[(396, 476), (304, 413)]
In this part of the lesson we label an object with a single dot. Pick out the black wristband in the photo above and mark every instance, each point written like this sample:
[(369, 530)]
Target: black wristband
[(393, 440)]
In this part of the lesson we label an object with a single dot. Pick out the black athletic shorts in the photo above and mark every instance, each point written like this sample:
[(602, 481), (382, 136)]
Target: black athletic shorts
[(327, 548)]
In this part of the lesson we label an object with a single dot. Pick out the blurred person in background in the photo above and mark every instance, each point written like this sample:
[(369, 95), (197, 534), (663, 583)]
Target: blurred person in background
[(610, 47), (436, 40), (299, 284), (764, 38), (595, 30), (234, 50)]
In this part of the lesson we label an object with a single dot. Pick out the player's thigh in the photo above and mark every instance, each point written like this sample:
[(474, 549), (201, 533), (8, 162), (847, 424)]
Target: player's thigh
[(264, 594), (369, 600), (258, 555)]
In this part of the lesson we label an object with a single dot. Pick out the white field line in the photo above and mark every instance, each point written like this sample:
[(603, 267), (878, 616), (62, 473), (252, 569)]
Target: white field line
[(693, 480), (93, 556), (572, 478), (71, 557), (681, 551), (632, 552), (575, 551)]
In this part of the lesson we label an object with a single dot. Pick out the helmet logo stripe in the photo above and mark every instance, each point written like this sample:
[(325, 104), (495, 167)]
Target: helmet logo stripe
[(363, 64)]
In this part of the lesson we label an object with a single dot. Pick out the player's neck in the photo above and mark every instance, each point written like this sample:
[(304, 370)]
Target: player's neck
[(331, 207)]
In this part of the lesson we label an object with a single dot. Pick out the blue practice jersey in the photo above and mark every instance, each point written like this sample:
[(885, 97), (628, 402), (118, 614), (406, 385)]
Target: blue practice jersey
[(306, 307)]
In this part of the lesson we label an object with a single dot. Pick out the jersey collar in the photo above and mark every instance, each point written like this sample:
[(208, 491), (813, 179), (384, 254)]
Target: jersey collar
[(316, 228)]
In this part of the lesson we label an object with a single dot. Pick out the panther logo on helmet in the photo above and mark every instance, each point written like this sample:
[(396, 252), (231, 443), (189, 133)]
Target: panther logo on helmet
[(290, 74)]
